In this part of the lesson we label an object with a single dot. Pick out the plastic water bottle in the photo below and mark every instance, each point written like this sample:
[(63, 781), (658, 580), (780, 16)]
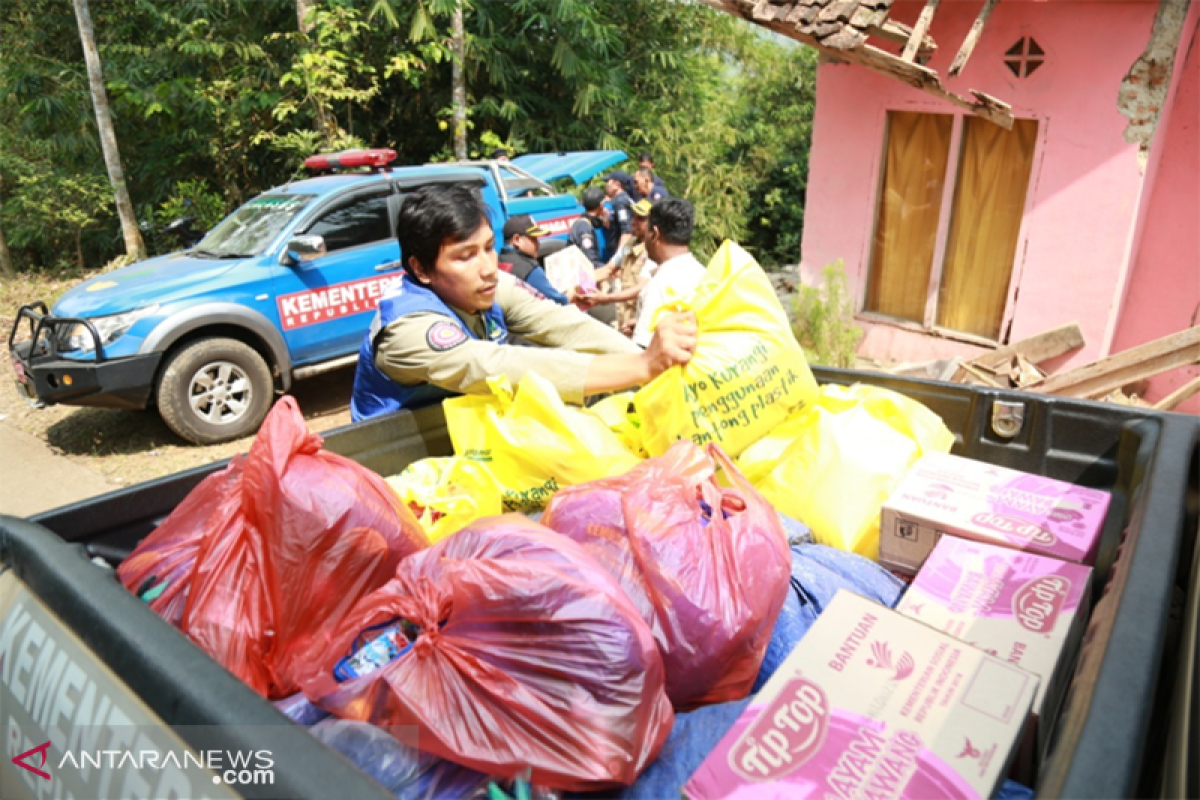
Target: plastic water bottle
[(390, 644)]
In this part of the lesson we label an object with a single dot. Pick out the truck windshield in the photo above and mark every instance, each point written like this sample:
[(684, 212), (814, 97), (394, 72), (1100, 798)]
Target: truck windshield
[(248, 231)]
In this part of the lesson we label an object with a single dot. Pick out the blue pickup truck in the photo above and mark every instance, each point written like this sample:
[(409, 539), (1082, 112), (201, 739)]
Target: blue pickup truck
[(280, 290)]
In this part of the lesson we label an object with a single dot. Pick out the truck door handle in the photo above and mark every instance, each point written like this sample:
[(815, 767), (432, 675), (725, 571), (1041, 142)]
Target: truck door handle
[(388, 266)]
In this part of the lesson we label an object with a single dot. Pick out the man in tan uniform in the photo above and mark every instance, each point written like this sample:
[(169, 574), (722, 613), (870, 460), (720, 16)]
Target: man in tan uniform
[(624, 277), (444, 328)]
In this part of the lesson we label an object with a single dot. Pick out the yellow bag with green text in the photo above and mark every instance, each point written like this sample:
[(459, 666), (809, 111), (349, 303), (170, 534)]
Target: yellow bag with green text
[(532, 442), (834, 464), (748, 373), (447, 494)]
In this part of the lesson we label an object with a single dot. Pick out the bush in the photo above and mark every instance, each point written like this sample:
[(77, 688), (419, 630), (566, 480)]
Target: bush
[(192, 198), (824, 319)]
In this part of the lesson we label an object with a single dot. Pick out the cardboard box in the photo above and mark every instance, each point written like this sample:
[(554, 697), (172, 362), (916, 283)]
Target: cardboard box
[(872, 703), (975, 500), (1027, 609)]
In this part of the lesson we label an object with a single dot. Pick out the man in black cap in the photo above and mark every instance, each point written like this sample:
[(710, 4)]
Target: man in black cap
[(620, 226), (520, 250), (588, 232)]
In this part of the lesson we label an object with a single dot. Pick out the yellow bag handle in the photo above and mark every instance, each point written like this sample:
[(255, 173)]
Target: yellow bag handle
[(674, 304)]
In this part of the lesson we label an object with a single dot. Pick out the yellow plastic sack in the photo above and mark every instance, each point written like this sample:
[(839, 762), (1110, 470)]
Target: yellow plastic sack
[(447, 494), (834, 464), (532, 442), (748, 373), (618, 413)]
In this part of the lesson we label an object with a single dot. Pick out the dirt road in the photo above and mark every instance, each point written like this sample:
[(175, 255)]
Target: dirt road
[(54, 456)]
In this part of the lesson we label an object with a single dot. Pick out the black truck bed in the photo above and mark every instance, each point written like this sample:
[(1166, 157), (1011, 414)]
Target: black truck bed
[(1126, 727)]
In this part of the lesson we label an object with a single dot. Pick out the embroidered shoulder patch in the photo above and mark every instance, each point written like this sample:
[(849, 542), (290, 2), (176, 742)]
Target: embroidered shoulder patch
[(443, 336)]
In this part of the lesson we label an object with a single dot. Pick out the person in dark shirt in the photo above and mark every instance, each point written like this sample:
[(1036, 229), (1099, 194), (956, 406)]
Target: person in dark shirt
[(648, 186), (521, 235), (646, 162), (588, 232), (620, 225)]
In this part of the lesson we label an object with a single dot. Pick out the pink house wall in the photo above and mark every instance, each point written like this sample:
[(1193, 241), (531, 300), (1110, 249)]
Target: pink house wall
[(1085, 186), (1164, 287)]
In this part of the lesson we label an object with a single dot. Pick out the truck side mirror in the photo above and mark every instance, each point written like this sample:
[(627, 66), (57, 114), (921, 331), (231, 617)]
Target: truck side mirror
[(303, 249)]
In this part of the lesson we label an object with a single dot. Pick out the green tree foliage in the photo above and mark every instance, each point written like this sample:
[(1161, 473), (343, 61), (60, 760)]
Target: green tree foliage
[(222, 98), (777, 87)]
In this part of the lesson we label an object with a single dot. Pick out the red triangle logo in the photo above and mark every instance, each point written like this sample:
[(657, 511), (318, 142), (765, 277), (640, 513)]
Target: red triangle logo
[(20, 760)]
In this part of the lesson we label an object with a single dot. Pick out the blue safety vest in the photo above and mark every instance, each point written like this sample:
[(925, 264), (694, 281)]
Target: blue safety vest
[(374, 392)]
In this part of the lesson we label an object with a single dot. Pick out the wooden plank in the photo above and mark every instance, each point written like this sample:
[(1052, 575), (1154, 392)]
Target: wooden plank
[(947, 372), (899, 33), (926, 80), (1120, 398), (1041, 347), (968, 45), (969, 374), (919, 30), (1138, 363), (1176, 397), (1024, 373)]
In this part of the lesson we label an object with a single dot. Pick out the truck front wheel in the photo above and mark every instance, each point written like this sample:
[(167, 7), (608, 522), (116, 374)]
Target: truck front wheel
[(215, 390)]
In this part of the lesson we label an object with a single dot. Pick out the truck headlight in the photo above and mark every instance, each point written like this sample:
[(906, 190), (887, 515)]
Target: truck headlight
[(110, 328)]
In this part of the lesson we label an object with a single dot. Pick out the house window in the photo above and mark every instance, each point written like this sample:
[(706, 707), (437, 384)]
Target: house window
[(1024, 57), (946, 228)]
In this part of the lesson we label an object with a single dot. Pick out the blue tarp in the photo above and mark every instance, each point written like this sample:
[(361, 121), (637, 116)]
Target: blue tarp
[(818, 572)]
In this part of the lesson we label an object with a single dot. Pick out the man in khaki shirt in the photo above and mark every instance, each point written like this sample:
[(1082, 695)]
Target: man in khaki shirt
[(624, 277), (444, 329)]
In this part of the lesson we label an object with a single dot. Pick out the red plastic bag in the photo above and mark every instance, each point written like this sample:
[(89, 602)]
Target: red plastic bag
[(229, 612), (526, 654), (333, 532), (159, 570), (280, 544), (711, 562)]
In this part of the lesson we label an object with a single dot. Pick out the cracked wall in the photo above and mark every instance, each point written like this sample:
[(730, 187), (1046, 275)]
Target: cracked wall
[(1145, 87)]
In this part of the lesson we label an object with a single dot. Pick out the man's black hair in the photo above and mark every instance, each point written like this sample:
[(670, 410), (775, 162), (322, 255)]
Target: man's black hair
[(592, 198), (434, 215), (499, 152), (645, 157), (673, 216)]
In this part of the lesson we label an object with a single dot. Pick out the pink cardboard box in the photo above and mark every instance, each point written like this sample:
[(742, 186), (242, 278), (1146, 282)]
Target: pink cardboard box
[(975, 500), (1027, 609), (873, 704)]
